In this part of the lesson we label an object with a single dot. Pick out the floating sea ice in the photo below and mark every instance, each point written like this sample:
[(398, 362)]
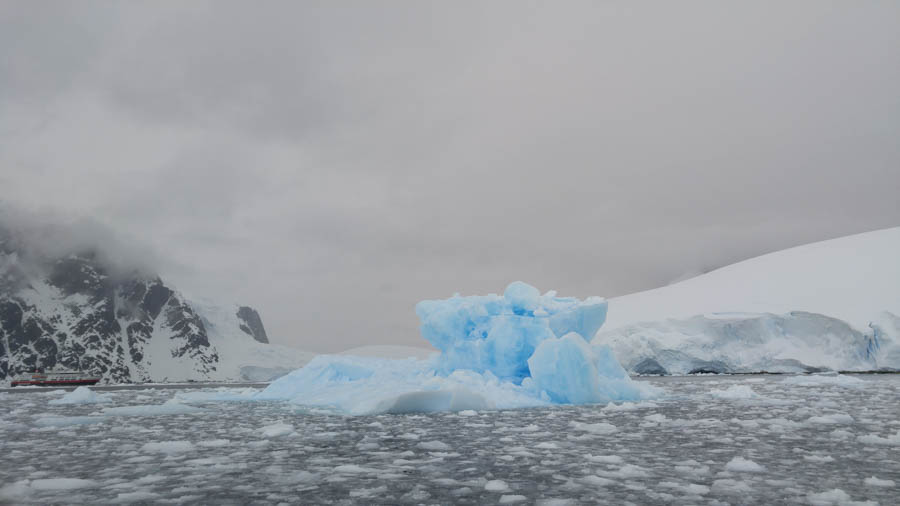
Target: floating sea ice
[(878, 482), (818, 380), (872, 439), (62, 484), (81, 395), (735, 392), (170, 407), (833, 497), (518, 350), (742, 465), (214, 443), (168, 447), (604, 459), (832, 419), (66, 421), (276, 430), (434, 446), (594, 428), (496, 486)]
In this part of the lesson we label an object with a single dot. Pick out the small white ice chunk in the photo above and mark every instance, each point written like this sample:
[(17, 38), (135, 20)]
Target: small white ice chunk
[(168, 447), (878, 482), (277, 430), (435, 446), (742, 465), (496, 486), (81, 395)]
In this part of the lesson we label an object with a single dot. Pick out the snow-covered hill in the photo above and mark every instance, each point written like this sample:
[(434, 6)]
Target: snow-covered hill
[(241, 358), (76, 311), (830, 305)]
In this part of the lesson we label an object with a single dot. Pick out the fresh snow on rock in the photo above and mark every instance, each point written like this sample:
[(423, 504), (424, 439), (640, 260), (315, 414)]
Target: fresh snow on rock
[(72, 312), (242, 358)]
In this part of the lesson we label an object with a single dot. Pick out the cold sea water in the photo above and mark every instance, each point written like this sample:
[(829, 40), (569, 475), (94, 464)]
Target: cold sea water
[(707, 440)]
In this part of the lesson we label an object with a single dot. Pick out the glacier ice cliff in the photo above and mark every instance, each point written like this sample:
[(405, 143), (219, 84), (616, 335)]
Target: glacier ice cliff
[(795, 342), (517, 350)]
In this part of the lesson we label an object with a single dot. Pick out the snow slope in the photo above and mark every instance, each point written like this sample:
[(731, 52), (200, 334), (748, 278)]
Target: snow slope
[(242, 358), (829, 305), (851, 278)]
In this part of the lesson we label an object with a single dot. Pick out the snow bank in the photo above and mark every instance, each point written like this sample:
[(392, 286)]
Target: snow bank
[(520, 349), (81, 395), (850, 279), (827, 305)]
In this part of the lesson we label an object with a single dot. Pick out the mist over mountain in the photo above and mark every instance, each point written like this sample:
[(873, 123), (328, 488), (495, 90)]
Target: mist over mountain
[(74, 295)]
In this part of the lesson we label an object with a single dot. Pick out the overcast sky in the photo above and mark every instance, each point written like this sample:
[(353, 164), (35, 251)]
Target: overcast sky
[(332, 163)]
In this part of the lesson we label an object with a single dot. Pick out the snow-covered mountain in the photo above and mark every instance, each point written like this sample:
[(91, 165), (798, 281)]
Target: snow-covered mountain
[(76, 311), (826, 305)]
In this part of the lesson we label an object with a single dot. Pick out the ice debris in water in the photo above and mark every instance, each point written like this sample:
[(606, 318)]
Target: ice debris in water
[(81, 395), (521, 349)]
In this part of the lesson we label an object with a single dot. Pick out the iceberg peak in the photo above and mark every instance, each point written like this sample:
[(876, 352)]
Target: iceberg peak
[(520, 349)]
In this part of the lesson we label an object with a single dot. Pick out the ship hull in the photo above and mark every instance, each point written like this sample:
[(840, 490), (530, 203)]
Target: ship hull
[(54, 383)]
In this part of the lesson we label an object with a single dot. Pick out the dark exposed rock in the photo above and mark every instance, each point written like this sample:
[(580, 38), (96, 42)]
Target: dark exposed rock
[(77, 275), (95, 322), (649, 367), (155, 298), (252, 324), (709, 367)]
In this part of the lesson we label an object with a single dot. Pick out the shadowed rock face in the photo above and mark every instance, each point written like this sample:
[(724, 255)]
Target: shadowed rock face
[(77, 316), (71, 312), (252, 324)]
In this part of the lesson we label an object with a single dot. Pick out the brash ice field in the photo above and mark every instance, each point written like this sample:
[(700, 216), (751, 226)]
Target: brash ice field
[(819, 439)]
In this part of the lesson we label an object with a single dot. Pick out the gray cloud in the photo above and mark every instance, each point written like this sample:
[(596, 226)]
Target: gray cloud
[(333, 164)]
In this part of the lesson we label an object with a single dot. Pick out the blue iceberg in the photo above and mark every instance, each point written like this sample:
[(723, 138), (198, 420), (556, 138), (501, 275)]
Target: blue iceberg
[(521, 349)]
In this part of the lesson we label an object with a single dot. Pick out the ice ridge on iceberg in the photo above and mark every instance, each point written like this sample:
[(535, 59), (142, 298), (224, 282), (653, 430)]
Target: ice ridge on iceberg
[(520, 349)]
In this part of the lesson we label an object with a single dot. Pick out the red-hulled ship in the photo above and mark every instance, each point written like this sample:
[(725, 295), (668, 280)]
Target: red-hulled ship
[(40, 378)]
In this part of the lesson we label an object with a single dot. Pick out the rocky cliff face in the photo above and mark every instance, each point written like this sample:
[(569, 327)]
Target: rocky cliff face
[(74, 312), (252, 324)]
